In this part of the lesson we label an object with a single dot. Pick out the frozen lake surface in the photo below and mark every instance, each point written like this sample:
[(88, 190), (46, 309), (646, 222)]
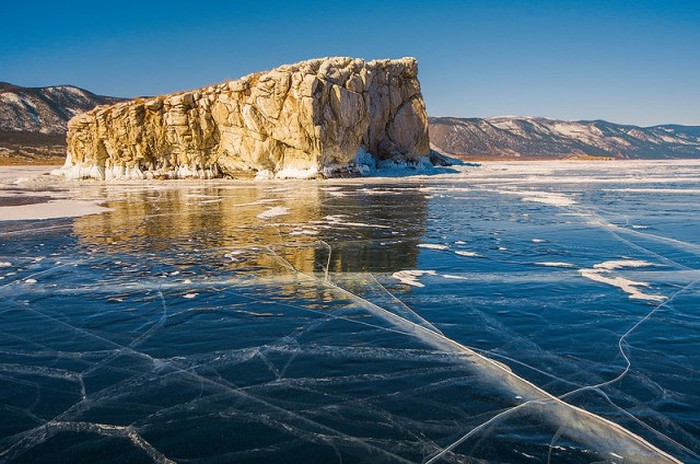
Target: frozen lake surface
[(510, 312)]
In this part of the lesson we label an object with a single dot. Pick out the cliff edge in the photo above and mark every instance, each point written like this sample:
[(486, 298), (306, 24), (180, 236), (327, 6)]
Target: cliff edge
[(327, 117)]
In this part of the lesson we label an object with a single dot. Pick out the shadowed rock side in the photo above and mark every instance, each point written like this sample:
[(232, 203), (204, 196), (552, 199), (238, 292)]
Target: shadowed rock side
[(321, 116)]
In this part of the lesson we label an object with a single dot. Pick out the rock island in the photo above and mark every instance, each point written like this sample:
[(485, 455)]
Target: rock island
[(323, 117)]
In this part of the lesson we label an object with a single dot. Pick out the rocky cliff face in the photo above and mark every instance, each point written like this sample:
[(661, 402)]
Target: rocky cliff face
[(326, 116), (541, 138)]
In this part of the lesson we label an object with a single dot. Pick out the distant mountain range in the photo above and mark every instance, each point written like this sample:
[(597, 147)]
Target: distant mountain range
[(541, 138), (33, 120), (45, 110), (33, 128)]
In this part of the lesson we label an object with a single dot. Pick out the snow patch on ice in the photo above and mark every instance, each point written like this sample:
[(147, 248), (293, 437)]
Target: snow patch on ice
[(626, 285), (535, 196), (51, 210), (338, 220), (235, 255), (552, 199), (470, 254), (681, 191), (410, 277), (303, 232), (273, 212), (554, 264), (433, 246), (602, 272), (621, 264), (452, 276)]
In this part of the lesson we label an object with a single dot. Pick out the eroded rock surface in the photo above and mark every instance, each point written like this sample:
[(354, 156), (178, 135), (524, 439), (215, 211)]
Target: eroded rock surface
[(326, 116)]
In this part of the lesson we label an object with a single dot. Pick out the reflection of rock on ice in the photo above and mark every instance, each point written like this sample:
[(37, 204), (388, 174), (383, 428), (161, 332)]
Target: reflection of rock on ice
[(171, 217)]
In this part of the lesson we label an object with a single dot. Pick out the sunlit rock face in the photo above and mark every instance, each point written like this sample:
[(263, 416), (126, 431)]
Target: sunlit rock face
[(332, 116)]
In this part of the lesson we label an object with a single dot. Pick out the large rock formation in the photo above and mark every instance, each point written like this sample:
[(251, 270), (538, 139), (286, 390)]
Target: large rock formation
[(323, 116)]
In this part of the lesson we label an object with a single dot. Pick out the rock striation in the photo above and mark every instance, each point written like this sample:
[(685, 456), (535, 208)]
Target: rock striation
[(329, 117)]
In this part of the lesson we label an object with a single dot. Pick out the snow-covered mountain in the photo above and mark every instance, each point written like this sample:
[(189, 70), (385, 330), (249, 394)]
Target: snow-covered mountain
[(33, 120), (45, 110), (541, 138)]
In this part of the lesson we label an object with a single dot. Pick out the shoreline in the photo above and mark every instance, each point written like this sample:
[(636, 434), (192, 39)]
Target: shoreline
[(59, 162), (29, 192)]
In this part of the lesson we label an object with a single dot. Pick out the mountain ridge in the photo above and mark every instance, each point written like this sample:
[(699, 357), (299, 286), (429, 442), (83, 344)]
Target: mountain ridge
[(44, 109), (34, 120), (532, 137)]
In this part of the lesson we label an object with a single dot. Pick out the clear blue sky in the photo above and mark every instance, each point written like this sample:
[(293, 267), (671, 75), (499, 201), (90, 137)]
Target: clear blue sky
[(632, 62)]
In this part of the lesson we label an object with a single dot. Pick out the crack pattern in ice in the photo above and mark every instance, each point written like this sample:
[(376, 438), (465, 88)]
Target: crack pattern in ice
[(199, 349)]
